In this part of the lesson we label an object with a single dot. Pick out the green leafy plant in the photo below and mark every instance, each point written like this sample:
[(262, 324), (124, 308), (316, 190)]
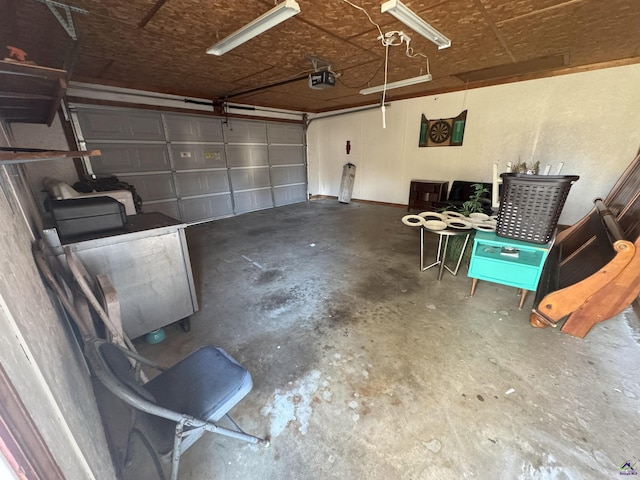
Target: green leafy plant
[(474, 203)]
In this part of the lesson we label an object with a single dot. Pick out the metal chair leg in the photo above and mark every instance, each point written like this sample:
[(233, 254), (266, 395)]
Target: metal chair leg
[(177, 449)]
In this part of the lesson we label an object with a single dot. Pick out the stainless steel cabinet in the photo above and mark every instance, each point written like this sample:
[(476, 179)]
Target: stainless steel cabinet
[(149, 267)]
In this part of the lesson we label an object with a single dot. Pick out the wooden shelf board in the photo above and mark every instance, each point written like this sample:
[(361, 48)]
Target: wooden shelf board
[(26, 69), (18, 156), (30, 93)]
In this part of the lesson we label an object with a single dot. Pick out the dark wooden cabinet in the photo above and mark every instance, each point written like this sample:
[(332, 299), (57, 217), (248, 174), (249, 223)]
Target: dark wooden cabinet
[(424, 193)]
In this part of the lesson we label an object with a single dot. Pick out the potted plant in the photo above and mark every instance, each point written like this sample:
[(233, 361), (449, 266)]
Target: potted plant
[(473, 205)]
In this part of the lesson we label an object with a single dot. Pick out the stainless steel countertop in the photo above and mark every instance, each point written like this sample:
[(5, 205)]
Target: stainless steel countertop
[(137, 226)]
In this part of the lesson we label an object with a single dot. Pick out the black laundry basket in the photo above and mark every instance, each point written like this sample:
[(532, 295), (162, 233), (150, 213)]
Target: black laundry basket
[(530, 205)]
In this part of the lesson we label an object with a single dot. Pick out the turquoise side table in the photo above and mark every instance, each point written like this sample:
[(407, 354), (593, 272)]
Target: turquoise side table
[(509, 262)]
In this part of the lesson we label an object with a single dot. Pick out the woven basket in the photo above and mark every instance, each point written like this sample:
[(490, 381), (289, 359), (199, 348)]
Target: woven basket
[(530, 205)]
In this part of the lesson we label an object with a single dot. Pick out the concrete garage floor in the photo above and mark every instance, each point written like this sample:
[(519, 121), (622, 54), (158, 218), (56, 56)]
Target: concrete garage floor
[(365, 367)]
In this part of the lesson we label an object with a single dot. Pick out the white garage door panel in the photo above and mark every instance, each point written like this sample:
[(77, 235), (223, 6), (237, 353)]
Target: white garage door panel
[(246, 178), (146, 126), (241, 131), (122, 158), (189, 156), (287, 175), (206, 208), (252, 200), (197, 167), (152, 187), (247, 155), (286, 154), (198, 183), (289, 194), (106, 124), (196, 128), (285, 133), (168, 208)]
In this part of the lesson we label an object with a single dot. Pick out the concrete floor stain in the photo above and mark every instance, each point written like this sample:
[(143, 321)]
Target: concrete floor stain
[(292, 405), (362, 305)]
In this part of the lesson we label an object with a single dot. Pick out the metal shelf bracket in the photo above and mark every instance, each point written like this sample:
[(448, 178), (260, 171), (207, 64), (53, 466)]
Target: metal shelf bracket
[(67, 23)]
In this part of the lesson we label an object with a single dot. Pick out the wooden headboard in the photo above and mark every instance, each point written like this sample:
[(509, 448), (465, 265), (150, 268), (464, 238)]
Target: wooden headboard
[(593, 270)]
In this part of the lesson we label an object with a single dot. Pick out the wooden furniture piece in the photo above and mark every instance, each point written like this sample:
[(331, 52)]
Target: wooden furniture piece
[(593, 271), (423, 194), (509, 262), (443, 243)]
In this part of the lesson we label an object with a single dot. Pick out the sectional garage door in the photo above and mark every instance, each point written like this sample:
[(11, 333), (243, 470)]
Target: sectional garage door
[(195, 167)]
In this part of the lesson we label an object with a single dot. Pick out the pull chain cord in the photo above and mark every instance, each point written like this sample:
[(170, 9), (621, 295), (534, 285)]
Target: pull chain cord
[(394, 38), (384, 88)]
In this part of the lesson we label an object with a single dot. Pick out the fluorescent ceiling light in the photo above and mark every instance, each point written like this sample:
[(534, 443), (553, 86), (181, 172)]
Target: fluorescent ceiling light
[(273, 17), (413, 21), (398, 84)]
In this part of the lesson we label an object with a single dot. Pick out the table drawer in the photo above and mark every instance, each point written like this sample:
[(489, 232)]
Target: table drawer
[(512, 274)]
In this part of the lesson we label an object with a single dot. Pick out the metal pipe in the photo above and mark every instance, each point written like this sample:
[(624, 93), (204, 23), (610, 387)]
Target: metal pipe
[(264, 87), (357, 110)]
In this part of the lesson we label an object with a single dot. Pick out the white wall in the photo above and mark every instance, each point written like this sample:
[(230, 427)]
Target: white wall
[(590, 121)]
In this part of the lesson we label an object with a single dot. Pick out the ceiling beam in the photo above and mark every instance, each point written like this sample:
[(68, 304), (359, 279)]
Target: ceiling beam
[(156, 6), (519, 68), (494, 28), (540, 11)]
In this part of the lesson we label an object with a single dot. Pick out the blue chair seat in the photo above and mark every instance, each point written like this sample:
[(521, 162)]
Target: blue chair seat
[(181, 403), (205, 385)]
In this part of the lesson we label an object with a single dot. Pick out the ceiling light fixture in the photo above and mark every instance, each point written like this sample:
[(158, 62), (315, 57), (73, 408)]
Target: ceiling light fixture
[(413, 21), (273, 17), (400, 83)]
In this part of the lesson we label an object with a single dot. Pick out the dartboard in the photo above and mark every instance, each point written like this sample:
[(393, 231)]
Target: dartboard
[(439, 132)]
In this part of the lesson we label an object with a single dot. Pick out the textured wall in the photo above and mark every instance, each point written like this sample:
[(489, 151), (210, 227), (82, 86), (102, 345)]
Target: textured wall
[(588, 120), (38, 350)]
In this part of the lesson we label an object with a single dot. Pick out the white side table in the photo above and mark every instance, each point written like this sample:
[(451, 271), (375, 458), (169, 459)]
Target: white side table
[(443, 242)]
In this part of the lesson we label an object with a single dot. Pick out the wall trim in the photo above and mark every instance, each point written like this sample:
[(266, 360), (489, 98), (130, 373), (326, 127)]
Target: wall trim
[(142, 106), (22, 437), (357, 200)]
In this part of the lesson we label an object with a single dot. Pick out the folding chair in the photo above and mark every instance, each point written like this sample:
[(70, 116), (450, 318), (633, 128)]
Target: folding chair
[(183, 401)]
